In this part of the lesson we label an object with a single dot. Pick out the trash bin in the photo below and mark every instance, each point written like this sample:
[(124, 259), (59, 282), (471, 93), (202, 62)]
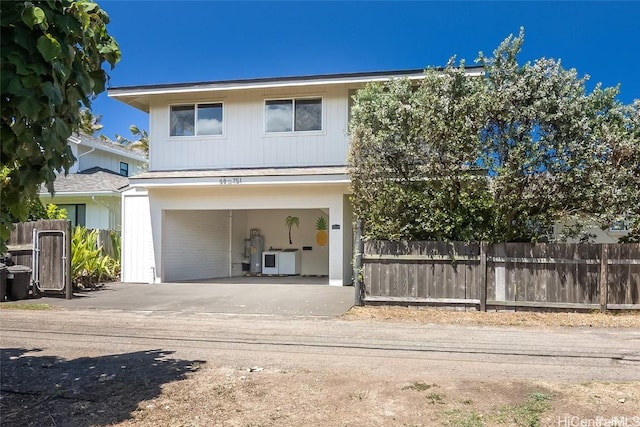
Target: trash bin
[(3, 282), (19, 280)]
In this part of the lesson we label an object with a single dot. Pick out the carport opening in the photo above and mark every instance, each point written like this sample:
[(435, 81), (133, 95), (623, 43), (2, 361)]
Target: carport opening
[(205, 245)]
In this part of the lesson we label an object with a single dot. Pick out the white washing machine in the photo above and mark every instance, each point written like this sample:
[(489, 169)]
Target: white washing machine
[(270, 262), (289, 262)]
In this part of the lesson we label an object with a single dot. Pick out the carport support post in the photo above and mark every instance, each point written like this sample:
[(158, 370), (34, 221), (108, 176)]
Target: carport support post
[(357, 268)]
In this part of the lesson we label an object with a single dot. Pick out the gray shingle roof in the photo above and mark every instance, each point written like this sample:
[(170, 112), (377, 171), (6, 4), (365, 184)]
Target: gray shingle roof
[(94, 180)]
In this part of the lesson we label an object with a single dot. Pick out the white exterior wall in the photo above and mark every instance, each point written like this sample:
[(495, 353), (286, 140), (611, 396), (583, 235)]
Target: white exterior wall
[(106, 160), (271, 224), (348, 240), (244, 143), (137, 250), (101, 211), (197, 244), (74, 150), (599, 235), (289, 198)]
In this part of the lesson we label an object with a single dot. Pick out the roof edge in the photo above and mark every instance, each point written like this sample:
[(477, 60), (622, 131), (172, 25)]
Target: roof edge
[(288, 79)]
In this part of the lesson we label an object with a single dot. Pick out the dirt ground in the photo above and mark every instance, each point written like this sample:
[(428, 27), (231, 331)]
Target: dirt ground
[(112, 390), (624, 319)]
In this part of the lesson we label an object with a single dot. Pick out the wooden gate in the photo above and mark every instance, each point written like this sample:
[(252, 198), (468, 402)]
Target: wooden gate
[(45, 246)]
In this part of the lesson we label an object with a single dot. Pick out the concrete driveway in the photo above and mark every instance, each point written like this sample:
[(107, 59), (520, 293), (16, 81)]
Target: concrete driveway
[(293, 296)]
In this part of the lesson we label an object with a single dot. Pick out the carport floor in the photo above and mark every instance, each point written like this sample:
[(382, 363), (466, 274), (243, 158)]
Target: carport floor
[(266, 280), (241, 295)]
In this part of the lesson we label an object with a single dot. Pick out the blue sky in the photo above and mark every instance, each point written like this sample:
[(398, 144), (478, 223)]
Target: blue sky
[(190, 41)]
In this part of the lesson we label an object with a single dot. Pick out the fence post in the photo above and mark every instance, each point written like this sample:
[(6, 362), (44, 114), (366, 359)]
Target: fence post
[(604, 284), (483, 276), (68, 286), (357, 269)]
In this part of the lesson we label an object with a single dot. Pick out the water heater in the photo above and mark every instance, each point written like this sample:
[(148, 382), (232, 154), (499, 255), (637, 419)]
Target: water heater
[(257, 245)]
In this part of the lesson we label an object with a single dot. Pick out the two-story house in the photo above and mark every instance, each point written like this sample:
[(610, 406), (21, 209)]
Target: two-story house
[(91, 192), (229, 157)]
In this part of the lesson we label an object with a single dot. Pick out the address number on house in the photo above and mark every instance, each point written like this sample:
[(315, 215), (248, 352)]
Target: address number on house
[(230, 181)]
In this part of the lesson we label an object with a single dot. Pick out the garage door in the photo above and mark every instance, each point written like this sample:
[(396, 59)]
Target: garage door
[(195, 245)]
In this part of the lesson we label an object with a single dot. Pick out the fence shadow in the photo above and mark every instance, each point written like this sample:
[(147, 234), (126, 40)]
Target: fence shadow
[(88, 391)]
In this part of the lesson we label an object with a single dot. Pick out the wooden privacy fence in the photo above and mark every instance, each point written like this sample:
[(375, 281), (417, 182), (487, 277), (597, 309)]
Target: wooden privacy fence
[(503, 275), (45, 246)]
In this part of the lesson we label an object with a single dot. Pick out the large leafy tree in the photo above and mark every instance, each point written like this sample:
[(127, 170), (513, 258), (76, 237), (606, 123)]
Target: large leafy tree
[(52, 56), (548, 151), (413, 157), (554, 151)]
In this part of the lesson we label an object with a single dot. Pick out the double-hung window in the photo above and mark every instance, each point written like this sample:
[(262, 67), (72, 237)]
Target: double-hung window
[(196, 119), (293, 115)]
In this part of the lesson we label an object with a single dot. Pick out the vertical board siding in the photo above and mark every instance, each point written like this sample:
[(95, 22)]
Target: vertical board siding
[(137, 252), (532, 274), (197, 245), (244, 143)]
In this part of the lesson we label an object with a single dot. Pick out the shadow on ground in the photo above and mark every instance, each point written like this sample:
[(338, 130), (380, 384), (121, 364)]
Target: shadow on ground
[(89, 391)]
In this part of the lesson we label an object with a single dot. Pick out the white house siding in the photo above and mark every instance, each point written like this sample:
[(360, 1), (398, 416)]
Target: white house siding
[(101, 211), (253, 205), (596, 234), (244, 142), (348, 240), (88, 159), (74, 150), (196, 244), (138, 265)]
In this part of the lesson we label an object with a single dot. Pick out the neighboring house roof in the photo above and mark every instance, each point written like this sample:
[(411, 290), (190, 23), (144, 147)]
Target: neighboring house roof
[(91, 181), (108, 146), (138, 96)]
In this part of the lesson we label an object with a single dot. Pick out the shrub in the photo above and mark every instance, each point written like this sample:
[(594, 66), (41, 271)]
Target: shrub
[(89, 263)]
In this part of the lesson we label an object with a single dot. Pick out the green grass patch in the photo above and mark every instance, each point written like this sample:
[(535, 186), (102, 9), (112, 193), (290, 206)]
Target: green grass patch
[(434, 398), (419, 386), (36, 307), (460, 418), (526, 414)]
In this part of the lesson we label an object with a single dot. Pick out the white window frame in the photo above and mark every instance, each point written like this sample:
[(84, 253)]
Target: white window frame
[(195, 124), (293, 100)]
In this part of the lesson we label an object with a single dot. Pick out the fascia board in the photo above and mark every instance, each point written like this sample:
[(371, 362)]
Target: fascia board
[(221, 86), (245, 180)]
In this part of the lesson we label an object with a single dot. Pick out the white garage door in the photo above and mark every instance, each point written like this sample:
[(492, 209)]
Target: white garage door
[(196, 245)]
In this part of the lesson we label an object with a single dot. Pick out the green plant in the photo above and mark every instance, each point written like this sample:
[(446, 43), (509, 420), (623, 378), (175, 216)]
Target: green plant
[(30, 307), (89, 263), (460, 418), (54, 212), (419, 386), (526, 414), (435, 397)]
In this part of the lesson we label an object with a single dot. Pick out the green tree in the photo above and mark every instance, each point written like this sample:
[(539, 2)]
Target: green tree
[(89, 124), (500, 157), (52, 55), (140, 143), (413, 154), (541, 143)]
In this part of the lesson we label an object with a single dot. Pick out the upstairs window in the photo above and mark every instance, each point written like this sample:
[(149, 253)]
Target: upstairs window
[(196, 119), (293, 115)]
